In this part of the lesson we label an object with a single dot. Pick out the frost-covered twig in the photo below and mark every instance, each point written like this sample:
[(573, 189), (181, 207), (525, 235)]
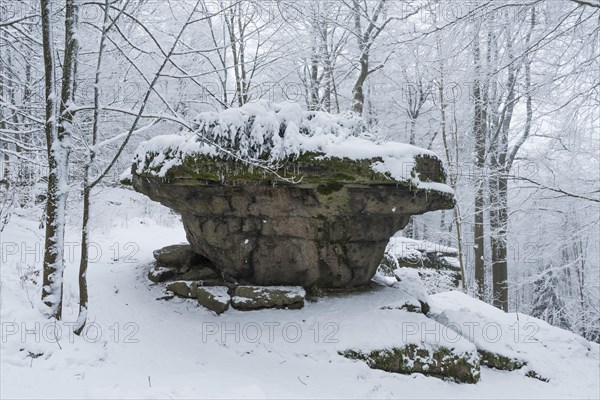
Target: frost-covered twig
[(272, 169)]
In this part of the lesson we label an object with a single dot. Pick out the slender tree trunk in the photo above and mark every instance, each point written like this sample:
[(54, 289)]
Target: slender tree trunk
[(479, 127), (313, 68), (580, 266), (87, 189), (58, 136), (358, 95), (83, 263), (499, 223), (327, 69), (443, 127), (237, 48), (56, 197), (242, 56), (498, 191)]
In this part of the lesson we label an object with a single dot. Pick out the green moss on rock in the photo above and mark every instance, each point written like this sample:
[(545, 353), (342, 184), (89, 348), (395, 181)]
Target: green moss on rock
[(498, 361), (328, 173), (429, 169), (440, 362), (535, 375), (329, 187)]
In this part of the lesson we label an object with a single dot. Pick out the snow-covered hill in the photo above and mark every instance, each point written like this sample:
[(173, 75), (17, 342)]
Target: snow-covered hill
[(140, 347)]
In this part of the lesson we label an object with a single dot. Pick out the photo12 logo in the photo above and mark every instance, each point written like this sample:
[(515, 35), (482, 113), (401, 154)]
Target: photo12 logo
[(474, 331), (254, 332), (52, 332)]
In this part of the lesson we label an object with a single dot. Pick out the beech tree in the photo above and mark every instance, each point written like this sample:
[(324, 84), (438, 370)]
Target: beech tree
[(58, 129)]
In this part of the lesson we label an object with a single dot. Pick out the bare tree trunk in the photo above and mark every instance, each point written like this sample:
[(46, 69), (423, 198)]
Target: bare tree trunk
[(479, 128), (242, 57), (233, 40), (58, 136), (501, 161), (358, 95), (236, 28), (56, 200), (498, 224), (83, 263), (87, 189), (313, 68), (365, 40), (443, 127), (327, 68)]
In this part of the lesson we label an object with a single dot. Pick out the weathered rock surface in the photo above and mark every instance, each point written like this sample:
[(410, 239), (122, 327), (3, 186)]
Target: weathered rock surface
[(215, 298), (256, 297), (188, 289), (178, 256), (179, 262), (440, 362), (160, 273), (330, 230), (274, 195)]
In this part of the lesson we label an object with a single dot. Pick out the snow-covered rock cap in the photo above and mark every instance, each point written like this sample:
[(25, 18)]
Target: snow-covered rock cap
[(273, 132)]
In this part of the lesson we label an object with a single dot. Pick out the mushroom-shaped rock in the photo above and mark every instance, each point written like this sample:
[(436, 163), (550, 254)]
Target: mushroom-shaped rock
[(273, 195)]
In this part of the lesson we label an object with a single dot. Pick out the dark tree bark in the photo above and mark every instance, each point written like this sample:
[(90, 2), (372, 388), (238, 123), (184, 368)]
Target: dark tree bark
[(479, 130), (55, 206)]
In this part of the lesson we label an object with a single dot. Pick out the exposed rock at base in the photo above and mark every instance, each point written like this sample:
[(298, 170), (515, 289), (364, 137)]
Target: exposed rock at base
[(214, 295), (178, 256), (215, 298), (498, 361), (440, 362), (180, 262), (160, 273), (188, 289), (259, 297)]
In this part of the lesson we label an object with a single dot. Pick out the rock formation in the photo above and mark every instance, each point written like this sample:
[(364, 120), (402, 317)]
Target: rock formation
[(303, 207)]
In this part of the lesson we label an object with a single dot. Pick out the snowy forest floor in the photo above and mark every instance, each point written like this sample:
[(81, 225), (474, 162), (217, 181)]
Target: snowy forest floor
[(141, 347)]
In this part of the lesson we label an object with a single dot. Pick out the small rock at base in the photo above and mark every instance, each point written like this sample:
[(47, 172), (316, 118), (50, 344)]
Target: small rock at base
[(187, 289), (214, 298), (160, 272), (178, 255), (258, 297)]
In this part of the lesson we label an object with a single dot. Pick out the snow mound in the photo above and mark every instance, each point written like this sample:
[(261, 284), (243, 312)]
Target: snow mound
[(271, 132), (544, 351)]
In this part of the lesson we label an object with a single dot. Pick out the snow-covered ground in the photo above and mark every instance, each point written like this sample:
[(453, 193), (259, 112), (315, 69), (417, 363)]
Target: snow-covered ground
[(141, 347)]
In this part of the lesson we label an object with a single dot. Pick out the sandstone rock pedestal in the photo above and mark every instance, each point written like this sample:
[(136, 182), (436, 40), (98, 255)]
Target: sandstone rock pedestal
[(328, 229), (275, 195)]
